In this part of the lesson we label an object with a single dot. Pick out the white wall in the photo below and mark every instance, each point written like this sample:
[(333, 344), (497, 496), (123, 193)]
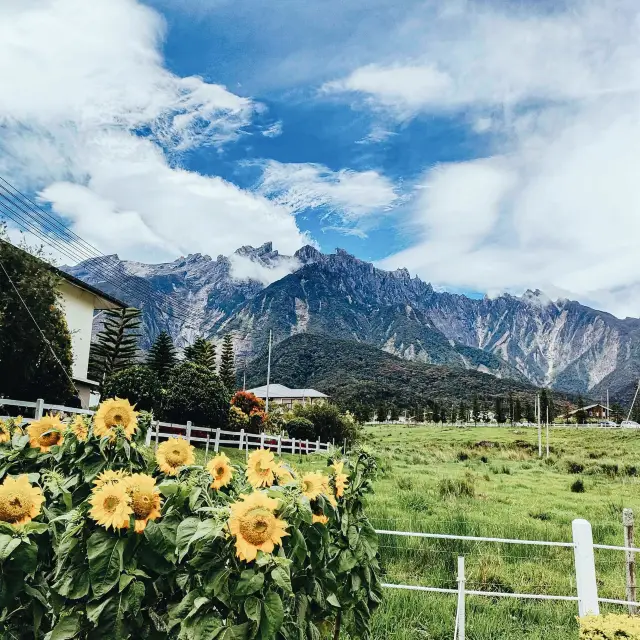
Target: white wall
[(78, 309)]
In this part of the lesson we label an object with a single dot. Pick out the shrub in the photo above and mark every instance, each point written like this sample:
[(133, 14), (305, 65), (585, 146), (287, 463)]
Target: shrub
[(329, 424), (167, 555), (578, 486), (238, 419), (257, 419), (139, 385), (300, 429), (457, 488), (405, 483), (196, 394), (575, 467), (462, 456), (610, 627), (247, 402)]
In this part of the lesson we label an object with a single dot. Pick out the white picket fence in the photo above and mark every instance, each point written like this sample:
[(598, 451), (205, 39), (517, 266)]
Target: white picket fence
[(586, 582), (192, 433)]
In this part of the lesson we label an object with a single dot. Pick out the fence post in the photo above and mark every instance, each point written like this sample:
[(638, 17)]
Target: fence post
[(241, 439), (585, 568), (460, 617), (189, 431), (318, 445), (262, 440), (147, 440), (307, 448), (293, 445), (206, 449), (39, 410), (627, 521), (157, 432), (216, 446), (279, 444), (344, 447)]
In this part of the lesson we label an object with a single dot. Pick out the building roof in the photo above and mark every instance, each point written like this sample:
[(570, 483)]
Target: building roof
[(113, 302), (590, 406), (280, 391)]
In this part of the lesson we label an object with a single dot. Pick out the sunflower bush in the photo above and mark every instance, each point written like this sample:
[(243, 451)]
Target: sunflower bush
[(102, 538)]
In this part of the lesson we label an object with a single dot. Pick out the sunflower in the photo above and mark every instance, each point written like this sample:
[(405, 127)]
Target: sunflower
[(255, 526), (19, 501), (46, 433), (115, 413), (145, 499), (79, 428), (5, 434), (111, 506), (284, 474), (341, 480), (109, 477), (261, 468), (322, 519), (220, 470), (313, 485), (173, 454)]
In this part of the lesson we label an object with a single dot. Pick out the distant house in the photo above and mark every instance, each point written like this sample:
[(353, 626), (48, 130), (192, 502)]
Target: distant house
[(79, 301), (281, 395), (598, 411)]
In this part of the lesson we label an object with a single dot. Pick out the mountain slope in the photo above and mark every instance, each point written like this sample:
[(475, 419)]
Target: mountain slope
[(352, 372)]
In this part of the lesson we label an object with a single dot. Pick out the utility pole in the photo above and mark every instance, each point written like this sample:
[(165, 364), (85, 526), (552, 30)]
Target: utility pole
[(634, 401), (268, 371), (244, 377), (539, 425), (547, 430)]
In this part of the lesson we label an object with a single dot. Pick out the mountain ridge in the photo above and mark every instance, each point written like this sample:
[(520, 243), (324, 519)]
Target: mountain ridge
[(561, 344)]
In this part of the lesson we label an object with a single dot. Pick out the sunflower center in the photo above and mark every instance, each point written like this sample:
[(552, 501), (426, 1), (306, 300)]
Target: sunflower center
[(14, 508), (115, 418), (111, 502), (256, 526), (142, 505), (219, 471), (49, 439)]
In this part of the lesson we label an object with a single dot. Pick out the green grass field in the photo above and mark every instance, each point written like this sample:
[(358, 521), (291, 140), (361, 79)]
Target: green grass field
[(490, 482)]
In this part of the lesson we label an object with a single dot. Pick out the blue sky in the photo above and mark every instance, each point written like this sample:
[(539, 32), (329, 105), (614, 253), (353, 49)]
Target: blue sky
[(478, 143)]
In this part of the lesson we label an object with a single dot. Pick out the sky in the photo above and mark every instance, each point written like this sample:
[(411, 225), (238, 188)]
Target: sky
[(488, 146)]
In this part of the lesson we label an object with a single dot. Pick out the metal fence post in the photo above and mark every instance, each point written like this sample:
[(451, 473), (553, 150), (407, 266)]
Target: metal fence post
[(216, 446), (39, 410), (627, 521), (460, 617), (189, 431), (241, 439), (585, 568)]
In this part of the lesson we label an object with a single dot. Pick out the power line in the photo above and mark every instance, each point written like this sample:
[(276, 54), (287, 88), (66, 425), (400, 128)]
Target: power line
[(22, 211), (46, 340)]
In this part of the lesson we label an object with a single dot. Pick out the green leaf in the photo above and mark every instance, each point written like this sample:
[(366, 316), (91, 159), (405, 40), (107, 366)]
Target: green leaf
[(346, 561), (186, 530), (273, 615), (282, 577), (252, 608), (124, 581), (298, 545), (67, 628), (162, 537), (7, 546), (104, 551), (134, 596), (95, 609), (169, 488), (332, 599), (73, 583), (353, 537), (249, 583)]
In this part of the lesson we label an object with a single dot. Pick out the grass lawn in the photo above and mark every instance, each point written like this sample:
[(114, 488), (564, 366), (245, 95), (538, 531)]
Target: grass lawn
[(490, 482)]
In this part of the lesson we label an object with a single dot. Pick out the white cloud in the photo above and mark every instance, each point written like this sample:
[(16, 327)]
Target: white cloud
[(273, 131), (350, 197), (81, 82), (243, 268), (556, 94)]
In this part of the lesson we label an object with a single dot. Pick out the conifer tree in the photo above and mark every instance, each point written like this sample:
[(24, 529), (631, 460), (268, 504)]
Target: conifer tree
[(475, 410), (517, 411), (202, 352), (116, 347), (162, 356), (227, 364)]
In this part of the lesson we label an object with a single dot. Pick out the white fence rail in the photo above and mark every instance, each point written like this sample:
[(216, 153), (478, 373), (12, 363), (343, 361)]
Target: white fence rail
[(584, 564), (192, 433)]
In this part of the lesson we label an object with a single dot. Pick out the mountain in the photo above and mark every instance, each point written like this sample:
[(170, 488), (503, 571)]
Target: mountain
[(561, 344), (354, 372)]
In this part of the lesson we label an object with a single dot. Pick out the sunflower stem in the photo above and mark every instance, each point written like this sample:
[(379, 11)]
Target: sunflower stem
[(336, 632)]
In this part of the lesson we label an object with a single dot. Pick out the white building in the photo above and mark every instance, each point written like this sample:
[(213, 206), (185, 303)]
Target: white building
[(79, 301), (279, 394)]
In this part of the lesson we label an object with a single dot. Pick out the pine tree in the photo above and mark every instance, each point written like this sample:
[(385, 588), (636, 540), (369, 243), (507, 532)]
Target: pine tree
[(546, 402), (475, 410), (517, 411), (462, 412), (529, 412), (381, 412), (202, 352), (227, 364), (500, 416), (116, 346), (162, 357)]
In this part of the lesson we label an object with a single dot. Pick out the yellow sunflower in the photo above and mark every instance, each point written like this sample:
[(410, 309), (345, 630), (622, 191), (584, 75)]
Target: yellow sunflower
[(322, 519), (109, 477), (261, 468), (145, 499), (111, 506), (19, 501), (79, 428), (46, 433), (313, 484), (284, 474), (173, 454), (5, 434), (115, 413), (341, 479), (255, 526), (220, 470)]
